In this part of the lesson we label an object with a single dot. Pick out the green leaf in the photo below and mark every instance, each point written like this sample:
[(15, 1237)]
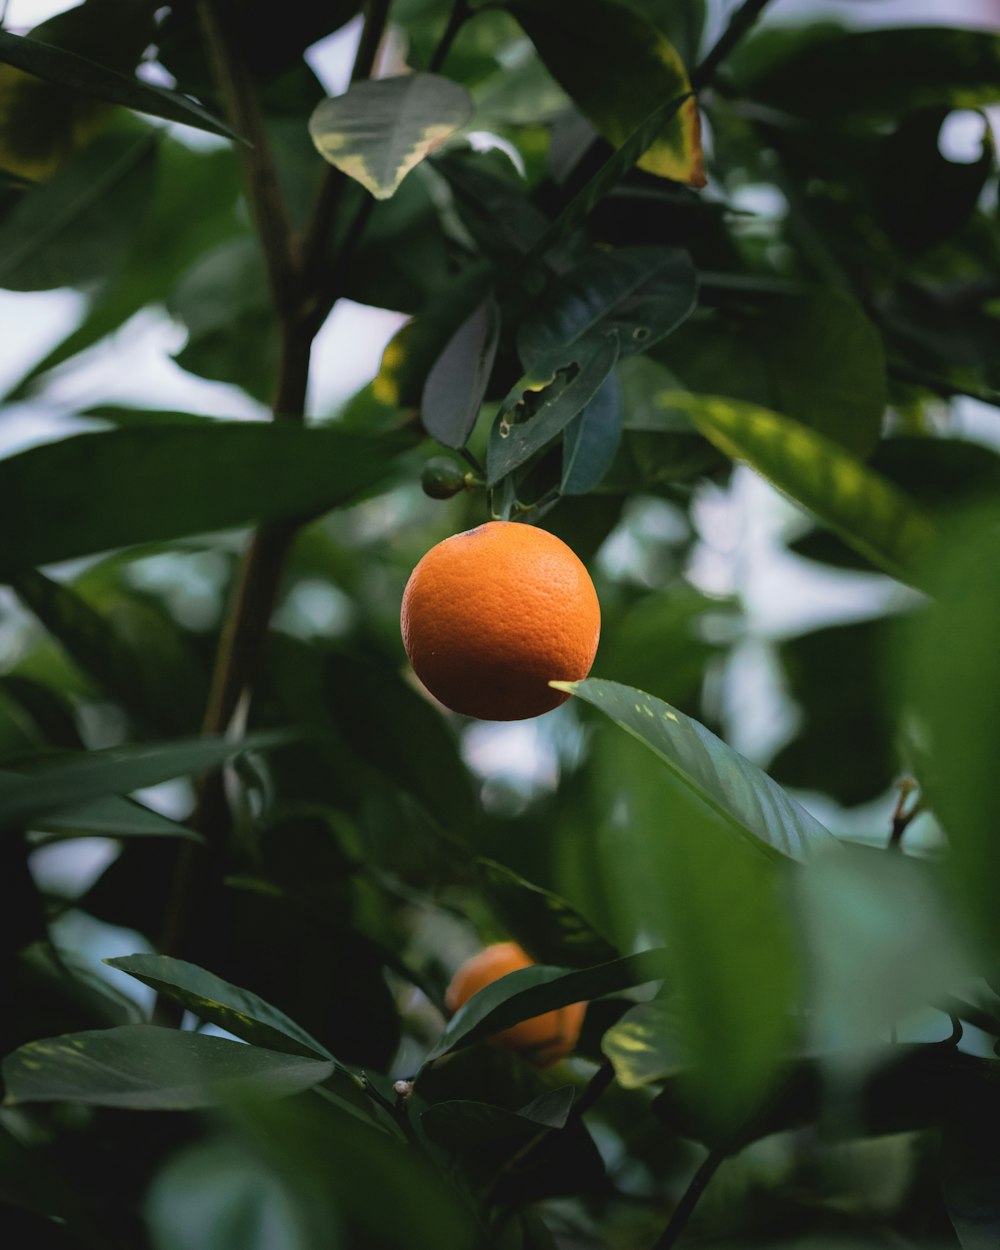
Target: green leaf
[(813, 356), (893, 72), (220, 1195), (66, 782), (462, 1124), (545, 400), (49, 712), (149, 1068), (238, 1011), (78, 226), (645, 1046), (111, 817), (880, 944), (150, 671), (970, 1165), (604, 180), (867, 511), (612, 61), (677, 870), (382, 128), (745, 797), (591, 440), (456, 384), (642, 293), (533, 991), (950, 679), (159, 251), (109, 485), (845, 745), (66, 68), (545, 925)]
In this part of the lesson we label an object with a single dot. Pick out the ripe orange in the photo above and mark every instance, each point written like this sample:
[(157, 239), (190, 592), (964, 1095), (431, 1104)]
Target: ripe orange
[(492, 615), (545, 1038)]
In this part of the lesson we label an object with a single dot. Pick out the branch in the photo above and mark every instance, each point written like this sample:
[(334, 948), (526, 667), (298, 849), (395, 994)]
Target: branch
[(739, 25), (460, 14), (242, 109)]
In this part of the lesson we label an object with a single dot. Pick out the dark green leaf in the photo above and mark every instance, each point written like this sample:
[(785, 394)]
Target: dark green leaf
[(462, 1124), (33, 1181), (747, 799), (591, 440), (456, 384), (78, 226), (971, 1172), (845, 746), (893, 71), (545, 925), (49, 712), (150, 671), (643, 293), (544, 401), (534, 991), (381, 129), (867, 511), (81, 74), (111, 817), (70, 781), (612, 61), (149, 1068), (107, 488)]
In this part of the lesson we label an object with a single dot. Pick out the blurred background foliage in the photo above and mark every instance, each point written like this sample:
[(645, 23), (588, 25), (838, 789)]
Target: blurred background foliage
[(793, 971)]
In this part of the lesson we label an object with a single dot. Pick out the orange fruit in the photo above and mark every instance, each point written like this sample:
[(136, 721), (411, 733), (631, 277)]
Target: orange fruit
[(544, 1038), (492, 615)]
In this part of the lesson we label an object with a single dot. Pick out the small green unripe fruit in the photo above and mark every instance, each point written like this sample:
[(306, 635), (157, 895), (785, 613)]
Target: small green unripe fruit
[(443, 478)]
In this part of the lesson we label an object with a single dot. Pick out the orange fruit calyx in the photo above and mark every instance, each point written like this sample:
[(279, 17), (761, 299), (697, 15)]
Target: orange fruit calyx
[(492, 615), (542, 1039)]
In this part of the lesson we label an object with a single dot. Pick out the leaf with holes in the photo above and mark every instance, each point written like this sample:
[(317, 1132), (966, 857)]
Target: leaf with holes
[(545, 400), (641, 292), (381, 129)]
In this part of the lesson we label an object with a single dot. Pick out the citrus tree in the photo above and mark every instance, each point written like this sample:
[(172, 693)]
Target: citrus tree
[(643, 262)]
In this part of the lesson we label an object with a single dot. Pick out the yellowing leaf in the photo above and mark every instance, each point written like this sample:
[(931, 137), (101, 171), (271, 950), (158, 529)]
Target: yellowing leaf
[(617, 67), (381, 129)]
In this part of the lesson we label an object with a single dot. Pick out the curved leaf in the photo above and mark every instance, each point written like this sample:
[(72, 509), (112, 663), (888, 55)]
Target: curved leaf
[(57, 65), (149, 1068), (729, 784), (645, 1045), (641, 292), (533, 991), (868, 512), (456, 384), (462, 1124), (544, 402), (68, 781), (591, 440), (612, 60), (109, 488), (382, 128)]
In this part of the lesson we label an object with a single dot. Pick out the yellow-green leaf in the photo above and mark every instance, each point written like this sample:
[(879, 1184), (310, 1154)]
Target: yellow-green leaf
[(865, 509), (616, 65), (381, 129)]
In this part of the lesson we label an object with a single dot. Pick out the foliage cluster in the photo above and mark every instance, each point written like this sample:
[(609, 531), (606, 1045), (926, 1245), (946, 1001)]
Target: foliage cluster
[(635, 257)]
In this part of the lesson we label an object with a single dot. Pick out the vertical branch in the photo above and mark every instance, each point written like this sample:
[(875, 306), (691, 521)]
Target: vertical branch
[(739, 25)]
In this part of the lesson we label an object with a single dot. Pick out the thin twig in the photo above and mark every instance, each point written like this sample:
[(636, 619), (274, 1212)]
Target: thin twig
[(739, 24), (460, 14), (943, 386), (902, 815), (685, 1208)]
